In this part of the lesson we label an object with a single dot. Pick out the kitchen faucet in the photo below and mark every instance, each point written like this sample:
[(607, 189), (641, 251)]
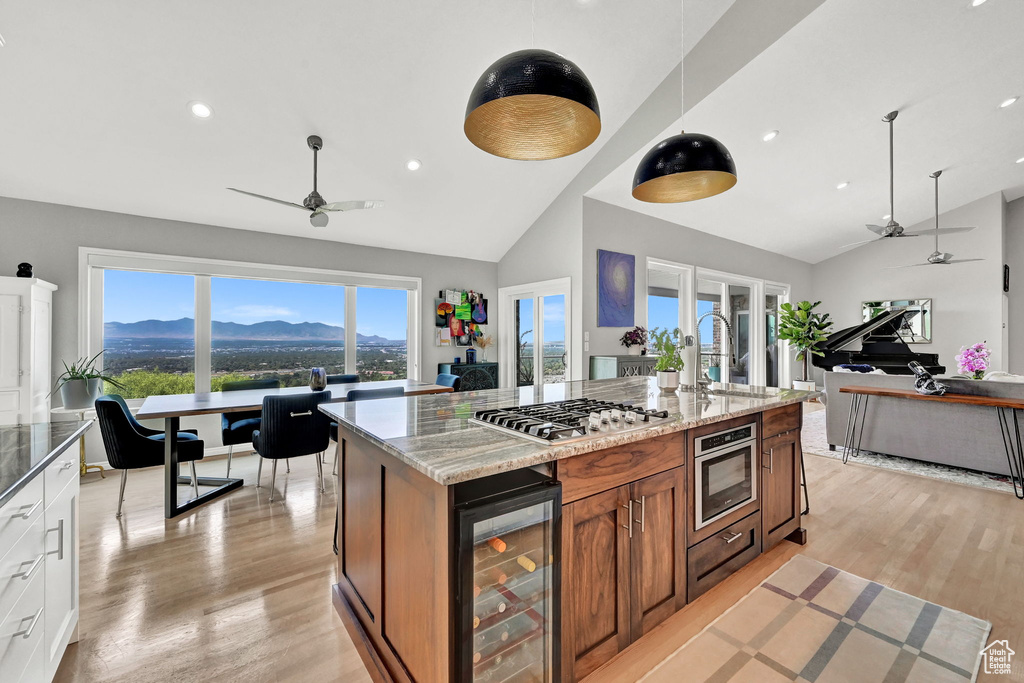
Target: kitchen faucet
[(703, 382)]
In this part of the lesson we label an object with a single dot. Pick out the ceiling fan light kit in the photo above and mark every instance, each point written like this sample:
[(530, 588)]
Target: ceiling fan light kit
[(313, 202), (532, 105), (684, 167)]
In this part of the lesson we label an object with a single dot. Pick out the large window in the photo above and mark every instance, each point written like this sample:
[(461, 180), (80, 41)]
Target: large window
[(149, 332), (176, 325)]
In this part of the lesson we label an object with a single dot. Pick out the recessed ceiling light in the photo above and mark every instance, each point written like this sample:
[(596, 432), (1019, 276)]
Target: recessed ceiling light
[(1021, 160), (975, 3), (2, 43), (770, 135), (1008, 102), (200, 110), (413, 164), (842, 186)]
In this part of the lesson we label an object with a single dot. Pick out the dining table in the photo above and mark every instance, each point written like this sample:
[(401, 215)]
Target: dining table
[(172, 407)]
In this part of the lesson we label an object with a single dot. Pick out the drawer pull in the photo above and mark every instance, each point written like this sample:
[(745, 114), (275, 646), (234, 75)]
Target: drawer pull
[(308, 412), (67, 465), (26, 515), (27, 574), (729, 539), (27, 633)]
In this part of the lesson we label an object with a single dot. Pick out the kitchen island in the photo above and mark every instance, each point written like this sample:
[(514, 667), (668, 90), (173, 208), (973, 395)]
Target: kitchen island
[(654, 506)]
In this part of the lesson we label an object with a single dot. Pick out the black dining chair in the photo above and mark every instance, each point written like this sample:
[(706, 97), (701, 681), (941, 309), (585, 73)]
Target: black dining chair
[(446, 380), (237, 428), (292, 426), (131, 446)]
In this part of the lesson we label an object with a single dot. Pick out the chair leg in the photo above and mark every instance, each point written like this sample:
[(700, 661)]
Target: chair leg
[(228, 473), (120, 499), (195, 479), (273, 479), (336, 449), (288, 466), (320, 472), (259, 470)]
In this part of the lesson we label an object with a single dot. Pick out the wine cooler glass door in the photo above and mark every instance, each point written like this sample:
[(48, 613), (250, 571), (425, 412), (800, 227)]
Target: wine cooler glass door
[(509, 589)]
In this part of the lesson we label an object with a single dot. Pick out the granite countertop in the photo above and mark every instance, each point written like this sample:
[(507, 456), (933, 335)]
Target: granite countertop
[(433, 434), (26, 450)]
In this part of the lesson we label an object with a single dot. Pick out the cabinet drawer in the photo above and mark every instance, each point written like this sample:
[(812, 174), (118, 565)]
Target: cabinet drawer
[(20, 511), (585, 475), (21, 564), (715, 558), (60, 473), (780, 420), (21, 633)]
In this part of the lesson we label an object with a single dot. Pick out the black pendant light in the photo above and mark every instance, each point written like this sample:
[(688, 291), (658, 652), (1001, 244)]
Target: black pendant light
[(684, 167), (532, 105)]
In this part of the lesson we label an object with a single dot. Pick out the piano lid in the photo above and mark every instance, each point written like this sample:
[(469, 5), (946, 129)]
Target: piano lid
[(887, 323)]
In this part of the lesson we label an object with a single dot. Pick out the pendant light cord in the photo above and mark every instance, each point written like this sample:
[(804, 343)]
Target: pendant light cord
[(682, 65), (533, 23)]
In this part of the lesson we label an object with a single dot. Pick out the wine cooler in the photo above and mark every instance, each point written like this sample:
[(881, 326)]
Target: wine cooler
[(507, 579)]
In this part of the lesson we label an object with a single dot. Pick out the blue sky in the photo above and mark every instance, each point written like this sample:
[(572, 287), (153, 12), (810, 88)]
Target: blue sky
[(133, 296), (554, 318)]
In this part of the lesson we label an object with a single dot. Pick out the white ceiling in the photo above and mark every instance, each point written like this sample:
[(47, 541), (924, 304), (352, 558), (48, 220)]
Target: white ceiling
[(96, 93), (826, 85)]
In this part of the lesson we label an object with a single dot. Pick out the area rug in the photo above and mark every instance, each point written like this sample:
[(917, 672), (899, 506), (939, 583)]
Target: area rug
[(815, 441), (813, 623)]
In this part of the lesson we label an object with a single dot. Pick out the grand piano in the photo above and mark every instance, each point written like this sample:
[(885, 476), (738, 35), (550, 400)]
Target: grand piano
[(878, 343)]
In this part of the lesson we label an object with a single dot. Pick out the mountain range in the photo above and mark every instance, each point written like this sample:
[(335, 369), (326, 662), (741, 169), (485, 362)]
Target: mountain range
[(266, 330)]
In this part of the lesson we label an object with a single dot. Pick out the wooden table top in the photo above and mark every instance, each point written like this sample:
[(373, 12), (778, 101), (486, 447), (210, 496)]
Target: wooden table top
[(180, 405), (964, 399)]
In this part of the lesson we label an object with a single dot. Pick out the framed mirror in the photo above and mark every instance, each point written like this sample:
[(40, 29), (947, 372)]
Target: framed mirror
[(917, 324)]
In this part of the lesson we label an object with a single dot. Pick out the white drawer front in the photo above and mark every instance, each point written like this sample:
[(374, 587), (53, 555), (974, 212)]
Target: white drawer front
[(18, 514), (20, 565), (61, 472), (21, 634)]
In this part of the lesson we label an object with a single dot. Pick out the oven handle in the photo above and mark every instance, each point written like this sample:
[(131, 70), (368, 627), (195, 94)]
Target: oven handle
[(701, 455)]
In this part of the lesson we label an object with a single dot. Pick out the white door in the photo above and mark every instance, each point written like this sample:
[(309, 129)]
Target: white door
[(535, 333)]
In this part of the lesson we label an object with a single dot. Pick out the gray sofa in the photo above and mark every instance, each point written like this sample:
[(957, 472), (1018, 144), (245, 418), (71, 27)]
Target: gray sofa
[(958, 435)]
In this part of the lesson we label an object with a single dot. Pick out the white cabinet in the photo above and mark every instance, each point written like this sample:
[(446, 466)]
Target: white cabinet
[(25, 331), (39, 575)]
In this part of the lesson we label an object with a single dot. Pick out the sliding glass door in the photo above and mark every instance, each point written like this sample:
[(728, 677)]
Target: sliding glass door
[(537, 349)]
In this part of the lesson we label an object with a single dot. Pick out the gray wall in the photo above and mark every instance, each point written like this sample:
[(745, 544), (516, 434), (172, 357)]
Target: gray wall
[(48, 236), (967, 298), (1015, 259), (609, 227)]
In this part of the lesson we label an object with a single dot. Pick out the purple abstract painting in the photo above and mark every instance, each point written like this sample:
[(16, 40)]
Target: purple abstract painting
[(616, 282)]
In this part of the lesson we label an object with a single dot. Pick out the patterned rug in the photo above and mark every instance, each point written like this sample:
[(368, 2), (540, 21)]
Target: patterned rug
[(815, 441), (813, 623)]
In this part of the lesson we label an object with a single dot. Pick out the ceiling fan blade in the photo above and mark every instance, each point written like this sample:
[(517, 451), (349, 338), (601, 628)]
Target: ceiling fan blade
[(934, 231), (862, 242), (910, 265), (269, 199), (353, 205), (965, 260), (877, 229)]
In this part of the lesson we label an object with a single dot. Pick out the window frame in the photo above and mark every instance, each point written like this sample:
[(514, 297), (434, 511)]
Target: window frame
[(93, 261)]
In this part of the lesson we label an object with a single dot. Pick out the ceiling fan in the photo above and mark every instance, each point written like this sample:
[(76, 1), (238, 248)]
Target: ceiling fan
[(939, 258), (893, 229), (314, 202)]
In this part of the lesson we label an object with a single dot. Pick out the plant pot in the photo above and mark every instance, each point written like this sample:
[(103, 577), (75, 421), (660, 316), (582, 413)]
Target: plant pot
[(801, 385), (79, 394), (668, 380), (634, 350)]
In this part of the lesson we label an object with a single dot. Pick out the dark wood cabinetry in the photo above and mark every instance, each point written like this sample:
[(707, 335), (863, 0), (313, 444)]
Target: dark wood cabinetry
[(624, 568), (719, 555), (780, 475)]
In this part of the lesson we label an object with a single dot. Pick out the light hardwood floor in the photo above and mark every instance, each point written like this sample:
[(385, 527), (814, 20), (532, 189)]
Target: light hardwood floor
[(239, 590)]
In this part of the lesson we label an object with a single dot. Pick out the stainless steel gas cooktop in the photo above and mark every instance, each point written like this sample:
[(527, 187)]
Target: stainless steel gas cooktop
[(566, 421)]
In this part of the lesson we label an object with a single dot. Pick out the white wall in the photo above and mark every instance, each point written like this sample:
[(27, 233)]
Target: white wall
[(609, 227), (48, 237), (1015, 259), (967, 298)]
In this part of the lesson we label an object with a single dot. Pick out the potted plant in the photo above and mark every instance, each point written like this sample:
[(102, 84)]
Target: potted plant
[(635, 341), (804, 330), (669, 347), (972, 361), (81, 383)]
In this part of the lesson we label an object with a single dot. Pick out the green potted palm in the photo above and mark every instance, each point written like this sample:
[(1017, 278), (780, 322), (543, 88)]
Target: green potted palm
[(81, 383), (804, 330), (668, 345)]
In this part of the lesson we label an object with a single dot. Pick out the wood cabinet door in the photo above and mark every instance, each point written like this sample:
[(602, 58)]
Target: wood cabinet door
[(780, 487), (595, 581), (658, 568)]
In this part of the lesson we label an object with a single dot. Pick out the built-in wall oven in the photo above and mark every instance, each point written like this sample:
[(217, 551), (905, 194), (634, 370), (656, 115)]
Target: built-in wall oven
[(725, 472)]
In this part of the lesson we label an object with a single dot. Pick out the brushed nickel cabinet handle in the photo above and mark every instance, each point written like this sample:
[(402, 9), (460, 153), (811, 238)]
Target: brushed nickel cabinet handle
[(736, 537), (27, 574), (27, 633), (26, 515), (60, 539), (308, 412), (771, 460), (67, 465), (643, 514), (629, 513)]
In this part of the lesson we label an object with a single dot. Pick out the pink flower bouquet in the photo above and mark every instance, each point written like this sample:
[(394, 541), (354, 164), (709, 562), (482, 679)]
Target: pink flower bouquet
[(973, 360)]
